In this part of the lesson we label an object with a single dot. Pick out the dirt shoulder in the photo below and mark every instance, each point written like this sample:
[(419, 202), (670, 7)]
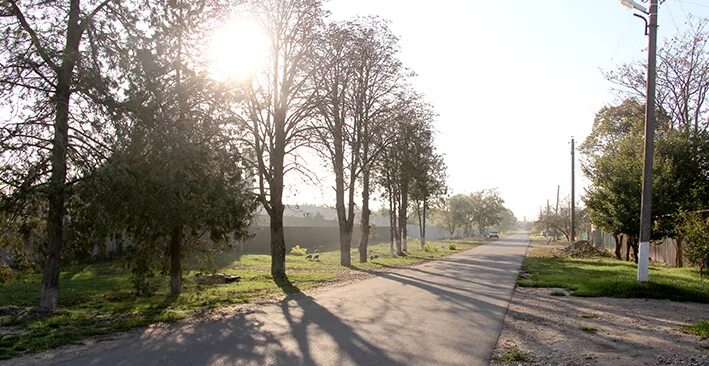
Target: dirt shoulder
[(545, 329)]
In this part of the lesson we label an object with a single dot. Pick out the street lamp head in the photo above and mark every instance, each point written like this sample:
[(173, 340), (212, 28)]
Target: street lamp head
[(633, 5)]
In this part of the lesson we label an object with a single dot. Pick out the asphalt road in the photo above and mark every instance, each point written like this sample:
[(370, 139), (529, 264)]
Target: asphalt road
[(446, 312)]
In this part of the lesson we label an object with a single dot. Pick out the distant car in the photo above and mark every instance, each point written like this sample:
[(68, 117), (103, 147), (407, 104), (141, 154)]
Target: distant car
[(493, 235)]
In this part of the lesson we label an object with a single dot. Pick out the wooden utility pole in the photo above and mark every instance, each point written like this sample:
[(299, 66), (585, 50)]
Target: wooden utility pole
[(573, 194)]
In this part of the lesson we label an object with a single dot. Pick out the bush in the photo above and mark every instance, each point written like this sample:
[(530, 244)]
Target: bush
[(297, 250), (428, 248), (696, 231), (452, 246)]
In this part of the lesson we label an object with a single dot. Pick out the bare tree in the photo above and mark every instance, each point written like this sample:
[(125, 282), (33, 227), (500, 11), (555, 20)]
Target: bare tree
[(682, 78), (377, 73), (278, 103)]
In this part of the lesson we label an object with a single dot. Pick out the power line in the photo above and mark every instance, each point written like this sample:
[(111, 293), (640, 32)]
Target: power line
[(692, 3)]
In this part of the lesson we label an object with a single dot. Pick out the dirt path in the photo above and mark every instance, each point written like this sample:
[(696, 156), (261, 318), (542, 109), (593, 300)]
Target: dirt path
[(568, 330)]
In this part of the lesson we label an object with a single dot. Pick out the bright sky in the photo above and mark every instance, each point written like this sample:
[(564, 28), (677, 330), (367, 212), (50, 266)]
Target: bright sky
[(512, 81)]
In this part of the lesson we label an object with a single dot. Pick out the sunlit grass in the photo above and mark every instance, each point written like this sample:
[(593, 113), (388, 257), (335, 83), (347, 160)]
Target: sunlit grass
[(99, 298), (611, 277)]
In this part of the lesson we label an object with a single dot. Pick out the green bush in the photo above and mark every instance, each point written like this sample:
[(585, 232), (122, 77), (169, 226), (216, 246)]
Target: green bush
[(297, 250), (429, 248), (452, 246)]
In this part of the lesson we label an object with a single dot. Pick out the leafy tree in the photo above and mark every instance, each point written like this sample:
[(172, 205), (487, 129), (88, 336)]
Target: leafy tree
[(54, 79), (487, 206), (695, 227), (174, 176)]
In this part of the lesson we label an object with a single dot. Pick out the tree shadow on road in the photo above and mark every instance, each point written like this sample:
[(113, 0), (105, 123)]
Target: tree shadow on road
[(303, 312)]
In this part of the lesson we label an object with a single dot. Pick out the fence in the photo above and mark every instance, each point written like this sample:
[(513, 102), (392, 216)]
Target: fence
[(664, 251)]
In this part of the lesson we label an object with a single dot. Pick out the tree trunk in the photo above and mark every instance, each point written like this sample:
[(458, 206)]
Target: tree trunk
[(364, 220), (278, 242), (392, 224), (423, 226), (403, 208), (618, 246), (678, 259), (420, 222), (57, 181), (176, 261), (397, 229), (627, 248)]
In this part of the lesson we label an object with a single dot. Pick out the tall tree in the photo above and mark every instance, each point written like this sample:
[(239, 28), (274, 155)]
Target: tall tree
[(52, 74), (337, 131), (178, 170), (377, 74), (278, 103)]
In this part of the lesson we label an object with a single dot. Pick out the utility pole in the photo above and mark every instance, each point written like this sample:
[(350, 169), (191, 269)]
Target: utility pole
[(558, 188), (646, 203), (573, 194)]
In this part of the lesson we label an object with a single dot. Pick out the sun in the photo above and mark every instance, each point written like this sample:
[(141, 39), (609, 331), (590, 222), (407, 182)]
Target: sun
[(237, 51)]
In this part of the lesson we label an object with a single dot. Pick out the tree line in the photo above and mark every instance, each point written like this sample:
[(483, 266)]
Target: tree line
[(115, 128), (461, 214)]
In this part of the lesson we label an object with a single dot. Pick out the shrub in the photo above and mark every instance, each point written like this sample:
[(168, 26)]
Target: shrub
[(428, 248), (297, 250), (452, 246), (513, 355), (694, 227)]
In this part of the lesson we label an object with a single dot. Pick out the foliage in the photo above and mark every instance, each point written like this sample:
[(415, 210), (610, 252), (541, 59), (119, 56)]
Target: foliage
[(431, 248), (452, 246), (558, 222), (513, 355), (297, 250), (694, 227), (483, 209)]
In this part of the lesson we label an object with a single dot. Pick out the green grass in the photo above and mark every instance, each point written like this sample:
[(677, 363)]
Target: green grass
[(700, 328), (99, 298), (611, 277), (513, 355)]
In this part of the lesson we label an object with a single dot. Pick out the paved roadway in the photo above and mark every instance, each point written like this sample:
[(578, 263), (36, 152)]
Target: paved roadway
[(445, 312)]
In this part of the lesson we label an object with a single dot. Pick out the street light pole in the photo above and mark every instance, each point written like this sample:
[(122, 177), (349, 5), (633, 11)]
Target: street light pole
[(646, 203)]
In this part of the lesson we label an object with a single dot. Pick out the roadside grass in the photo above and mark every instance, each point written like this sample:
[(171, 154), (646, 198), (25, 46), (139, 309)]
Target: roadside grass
[(610, 277), (513, 355), (99, 298), (700, 328)]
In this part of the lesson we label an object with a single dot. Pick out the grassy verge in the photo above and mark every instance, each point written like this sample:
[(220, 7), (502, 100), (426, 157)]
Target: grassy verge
[(610, 277), (700, 329), (99, 298)]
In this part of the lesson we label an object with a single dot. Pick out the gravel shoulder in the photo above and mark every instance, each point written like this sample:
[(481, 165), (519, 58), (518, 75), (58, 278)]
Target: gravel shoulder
[(569, 330)]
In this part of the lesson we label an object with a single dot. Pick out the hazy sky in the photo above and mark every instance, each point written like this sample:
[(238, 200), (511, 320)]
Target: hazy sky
[(512, 81)]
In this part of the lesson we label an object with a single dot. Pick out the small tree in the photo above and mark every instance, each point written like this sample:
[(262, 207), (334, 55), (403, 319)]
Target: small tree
[(695, 228)]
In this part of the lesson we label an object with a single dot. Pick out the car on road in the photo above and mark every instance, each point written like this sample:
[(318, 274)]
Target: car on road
[(493, 235)]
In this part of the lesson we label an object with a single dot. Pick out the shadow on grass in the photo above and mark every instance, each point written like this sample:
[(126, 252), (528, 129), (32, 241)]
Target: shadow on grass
[(286, 286)]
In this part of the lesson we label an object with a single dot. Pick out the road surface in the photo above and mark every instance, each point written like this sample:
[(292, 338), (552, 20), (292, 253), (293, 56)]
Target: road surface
[(445, 312)]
